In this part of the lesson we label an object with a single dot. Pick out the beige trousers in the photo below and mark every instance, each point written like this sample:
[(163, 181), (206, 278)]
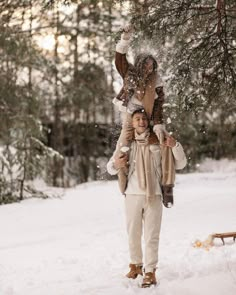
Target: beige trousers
[(143, 216), (167, 162)]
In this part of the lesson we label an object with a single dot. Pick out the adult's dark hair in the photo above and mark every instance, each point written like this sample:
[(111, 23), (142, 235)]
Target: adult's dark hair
[(139, 111)]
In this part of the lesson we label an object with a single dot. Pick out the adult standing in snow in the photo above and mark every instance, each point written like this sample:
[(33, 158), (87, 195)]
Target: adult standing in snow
[(142, 88), (143, 194)]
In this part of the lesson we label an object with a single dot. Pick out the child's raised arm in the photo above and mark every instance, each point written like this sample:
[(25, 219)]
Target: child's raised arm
[(121, 62)]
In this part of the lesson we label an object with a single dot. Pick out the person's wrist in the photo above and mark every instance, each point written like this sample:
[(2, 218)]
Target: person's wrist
[(116, 165), (176, 144)]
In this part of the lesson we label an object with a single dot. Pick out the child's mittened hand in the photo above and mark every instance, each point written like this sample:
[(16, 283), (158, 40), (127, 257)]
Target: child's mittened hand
[(127, 32), (128, 28)]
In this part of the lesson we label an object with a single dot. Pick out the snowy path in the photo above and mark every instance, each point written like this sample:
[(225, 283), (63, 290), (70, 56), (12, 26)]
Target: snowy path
[(78, 244)]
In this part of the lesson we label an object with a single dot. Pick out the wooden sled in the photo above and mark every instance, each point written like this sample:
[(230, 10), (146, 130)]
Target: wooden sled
[(222, 236), (209, 242)]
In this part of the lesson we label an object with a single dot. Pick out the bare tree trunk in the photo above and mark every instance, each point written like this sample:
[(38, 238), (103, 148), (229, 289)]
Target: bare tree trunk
[(111, 53), (58, 177), (30, 38)]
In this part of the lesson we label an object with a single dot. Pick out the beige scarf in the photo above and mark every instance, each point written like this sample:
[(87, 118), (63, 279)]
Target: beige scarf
[(144, 167)]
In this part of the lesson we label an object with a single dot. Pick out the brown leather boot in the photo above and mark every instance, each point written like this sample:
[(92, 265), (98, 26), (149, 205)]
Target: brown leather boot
[(149, 279), (135, 270), (167, 192)]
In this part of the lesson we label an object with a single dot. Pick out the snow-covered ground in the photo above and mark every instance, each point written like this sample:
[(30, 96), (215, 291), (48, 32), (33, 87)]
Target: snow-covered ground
[(78, 245)]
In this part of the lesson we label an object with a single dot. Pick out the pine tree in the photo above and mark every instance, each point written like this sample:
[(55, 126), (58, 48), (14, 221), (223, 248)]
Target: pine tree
[(194, 41), (86, 106), (23, 151)]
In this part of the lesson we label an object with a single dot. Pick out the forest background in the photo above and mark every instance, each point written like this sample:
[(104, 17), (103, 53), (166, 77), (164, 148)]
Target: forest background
[(57, 82)]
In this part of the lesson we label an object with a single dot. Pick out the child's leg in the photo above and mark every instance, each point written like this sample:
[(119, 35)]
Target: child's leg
[(168, 176), (168, 166), (124, 140), (126, 134)]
